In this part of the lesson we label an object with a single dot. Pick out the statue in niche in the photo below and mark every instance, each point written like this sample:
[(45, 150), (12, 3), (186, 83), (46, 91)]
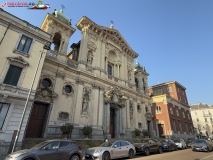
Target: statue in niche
[(129, 75), (131, 112), (89, 58), (85, 103)]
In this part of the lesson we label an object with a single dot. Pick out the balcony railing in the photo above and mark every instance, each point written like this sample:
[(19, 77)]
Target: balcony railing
[(207, 115)]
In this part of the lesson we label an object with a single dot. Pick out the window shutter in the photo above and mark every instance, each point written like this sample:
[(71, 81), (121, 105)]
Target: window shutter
[(13, 75)]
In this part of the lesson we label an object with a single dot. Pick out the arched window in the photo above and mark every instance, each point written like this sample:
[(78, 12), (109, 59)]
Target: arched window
[(136, 82), (171, 111), (177, 112), (143, 84), (158, 109), (209, 112)]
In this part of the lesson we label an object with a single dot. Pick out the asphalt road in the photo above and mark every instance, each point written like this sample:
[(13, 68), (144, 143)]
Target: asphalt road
[(186, 154)]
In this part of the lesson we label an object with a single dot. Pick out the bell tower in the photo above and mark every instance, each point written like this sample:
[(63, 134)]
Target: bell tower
[(59, 26)]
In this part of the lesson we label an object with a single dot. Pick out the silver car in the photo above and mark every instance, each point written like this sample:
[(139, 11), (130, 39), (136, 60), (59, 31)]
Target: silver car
[(49, 150), (202, 145), (111, 150)]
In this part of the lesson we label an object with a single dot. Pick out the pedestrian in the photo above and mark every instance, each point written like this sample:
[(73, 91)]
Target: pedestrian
[(105, 139)]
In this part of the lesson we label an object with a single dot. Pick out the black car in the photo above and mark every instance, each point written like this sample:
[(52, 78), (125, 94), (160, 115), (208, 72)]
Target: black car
[(51, 149), (190, 141), (147, 146), (168, 145)]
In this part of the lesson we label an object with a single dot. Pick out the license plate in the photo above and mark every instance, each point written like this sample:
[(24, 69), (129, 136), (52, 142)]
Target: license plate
[(198, 148)]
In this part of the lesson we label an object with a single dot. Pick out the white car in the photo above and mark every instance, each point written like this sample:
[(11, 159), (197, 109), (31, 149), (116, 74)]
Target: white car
[(180, 143)]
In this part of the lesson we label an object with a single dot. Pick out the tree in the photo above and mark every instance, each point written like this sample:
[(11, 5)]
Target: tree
[(201, 126)]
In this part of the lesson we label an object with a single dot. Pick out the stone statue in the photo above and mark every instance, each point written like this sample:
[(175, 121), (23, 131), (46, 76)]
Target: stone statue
[(85, 104), (89, 58), (56, 48), (129, 75), (131, 112)]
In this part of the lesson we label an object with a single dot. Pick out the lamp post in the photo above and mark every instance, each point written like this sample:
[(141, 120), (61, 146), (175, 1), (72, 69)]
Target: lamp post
[(47, 47), (166, 119)]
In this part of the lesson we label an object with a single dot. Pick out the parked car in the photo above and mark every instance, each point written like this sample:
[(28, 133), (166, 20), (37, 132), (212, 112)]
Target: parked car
[(111, 150), (147, 146), (190, 141), (202, 145), (168, 145), (51, 149), (180, 143)]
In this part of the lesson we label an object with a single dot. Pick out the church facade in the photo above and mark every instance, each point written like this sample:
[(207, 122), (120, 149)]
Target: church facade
[(95, 83)]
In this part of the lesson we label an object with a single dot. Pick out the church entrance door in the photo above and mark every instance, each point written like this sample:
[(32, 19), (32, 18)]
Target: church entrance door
[(36, 121), (112, 122)]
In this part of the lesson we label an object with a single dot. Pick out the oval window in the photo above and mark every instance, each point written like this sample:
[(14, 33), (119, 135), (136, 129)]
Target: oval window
[(46, 82), (68, 89)]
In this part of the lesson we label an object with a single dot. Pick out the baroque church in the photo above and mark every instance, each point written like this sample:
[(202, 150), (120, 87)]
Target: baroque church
[(96, 83)]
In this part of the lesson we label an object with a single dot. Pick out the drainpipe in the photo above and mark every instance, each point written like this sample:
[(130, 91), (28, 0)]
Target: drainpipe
[(5, 32)]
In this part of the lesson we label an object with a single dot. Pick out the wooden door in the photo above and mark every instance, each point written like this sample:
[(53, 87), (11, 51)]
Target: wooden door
[(160, 130), (36, 121), (112, 123)]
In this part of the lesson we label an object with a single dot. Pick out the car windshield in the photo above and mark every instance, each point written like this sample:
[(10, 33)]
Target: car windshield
[(39, 145), (164, 141), (177, 141), (106, 144), (200, 141)]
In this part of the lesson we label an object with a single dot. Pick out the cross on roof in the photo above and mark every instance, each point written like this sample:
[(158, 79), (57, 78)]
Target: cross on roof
[(63, 7)]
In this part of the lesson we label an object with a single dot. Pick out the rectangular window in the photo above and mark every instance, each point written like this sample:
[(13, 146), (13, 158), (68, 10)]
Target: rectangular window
[(177, 112), (13, 75), (160, 90), (24, 44), (174, 128), (183, 115), (180, 127), (153, 92), (178, 90), (110, 70), (205, 119), (3, 113), (186, 128), (169, 89), (180, 98)]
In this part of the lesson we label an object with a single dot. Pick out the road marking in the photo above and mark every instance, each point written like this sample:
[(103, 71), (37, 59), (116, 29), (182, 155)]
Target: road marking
[(206, 157)]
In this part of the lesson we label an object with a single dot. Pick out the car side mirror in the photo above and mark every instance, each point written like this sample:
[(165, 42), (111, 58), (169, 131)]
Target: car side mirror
[(115, 146), (46, 148)]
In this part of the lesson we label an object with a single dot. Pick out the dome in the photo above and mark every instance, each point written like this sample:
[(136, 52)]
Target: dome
[(138, 66), (62, 17)]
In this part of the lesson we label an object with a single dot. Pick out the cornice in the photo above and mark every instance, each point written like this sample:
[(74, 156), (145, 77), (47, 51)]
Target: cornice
[(166, 83)]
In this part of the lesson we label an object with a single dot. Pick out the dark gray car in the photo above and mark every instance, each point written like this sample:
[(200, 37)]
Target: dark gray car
[(51, 149)]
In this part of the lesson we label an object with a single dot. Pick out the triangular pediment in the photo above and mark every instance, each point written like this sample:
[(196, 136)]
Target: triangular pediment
[(116, 34), (18, 59)]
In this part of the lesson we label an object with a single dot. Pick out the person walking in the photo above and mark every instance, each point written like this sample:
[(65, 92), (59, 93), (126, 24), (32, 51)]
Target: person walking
[(105, 139)]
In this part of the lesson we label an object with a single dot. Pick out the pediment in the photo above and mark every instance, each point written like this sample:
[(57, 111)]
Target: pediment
[(18, 59), (116, 34), (45, 94)]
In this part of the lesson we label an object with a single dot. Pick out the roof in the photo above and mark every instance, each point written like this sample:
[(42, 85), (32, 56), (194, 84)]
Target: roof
[(201, 106), (166, 83)]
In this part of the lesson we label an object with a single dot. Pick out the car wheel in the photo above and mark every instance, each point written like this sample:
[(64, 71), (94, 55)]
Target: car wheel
[(182, 147), (176, 148), (147, 151), (207, 149), (169, 149), (45, 7), (160, 150), (75, 157), (131, 153), (106, 156), (35, 7)]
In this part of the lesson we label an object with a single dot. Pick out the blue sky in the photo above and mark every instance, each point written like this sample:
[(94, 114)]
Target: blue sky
[(174, 38)]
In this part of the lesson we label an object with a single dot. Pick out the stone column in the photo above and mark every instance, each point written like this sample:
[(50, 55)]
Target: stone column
[(140, 86), (123, 120), (118, 71), (83, 47), (108, 119), (95, 106), (127, 114), (151, 128), (106, 69), (117, 123), (47, 120), (135, 113), (61, 43), (101, 107)]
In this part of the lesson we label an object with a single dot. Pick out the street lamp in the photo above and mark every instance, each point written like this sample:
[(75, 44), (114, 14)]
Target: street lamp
[(47, 47), (166, 119)]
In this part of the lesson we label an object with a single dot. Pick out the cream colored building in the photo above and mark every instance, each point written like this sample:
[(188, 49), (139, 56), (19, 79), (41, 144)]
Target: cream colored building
[(95, 83), (202, 118), (20, 46)]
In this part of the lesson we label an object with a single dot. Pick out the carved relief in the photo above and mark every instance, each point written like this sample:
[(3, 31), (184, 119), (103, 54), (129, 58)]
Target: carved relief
[(131, 111), (90, 57), (3, 99), (129, 75), (18, 61), (60, 75)]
